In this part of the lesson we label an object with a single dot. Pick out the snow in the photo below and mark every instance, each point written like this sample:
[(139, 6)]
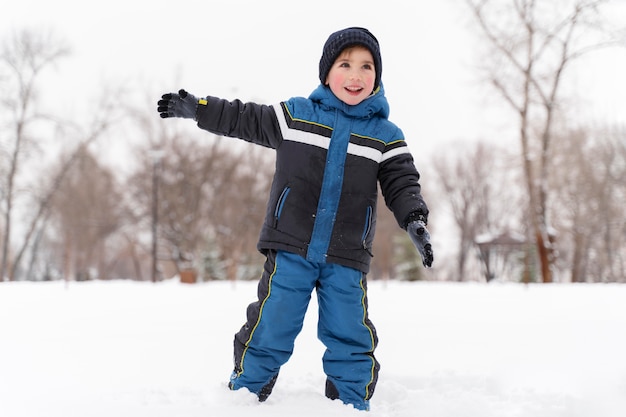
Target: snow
[(464, 350)]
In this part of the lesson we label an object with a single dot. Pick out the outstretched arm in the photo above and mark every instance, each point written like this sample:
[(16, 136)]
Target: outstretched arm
[(251, 122)]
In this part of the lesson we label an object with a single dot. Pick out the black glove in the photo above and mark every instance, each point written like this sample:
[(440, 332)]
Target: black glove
[(182, 104), (421, 239)]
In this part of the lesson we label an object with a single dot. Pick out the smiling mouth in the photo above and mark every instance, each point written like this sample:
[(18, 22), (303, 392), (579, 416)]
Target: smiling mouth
[(353, 90)]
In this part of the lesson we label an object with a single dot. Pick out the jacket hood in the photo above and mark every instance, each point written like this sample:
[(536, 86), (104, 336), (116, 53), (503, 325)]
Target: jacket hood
[(374, 105)]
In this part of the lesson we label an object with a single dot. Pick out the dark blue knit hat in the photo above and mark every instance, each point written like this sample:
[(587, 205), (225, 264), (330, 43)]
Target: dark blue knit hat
[(343, 39)]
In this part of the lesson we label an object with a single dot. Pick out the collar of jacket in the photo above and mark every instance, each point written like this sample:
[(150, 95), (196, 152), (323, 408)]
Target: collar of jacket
[(374, 105)]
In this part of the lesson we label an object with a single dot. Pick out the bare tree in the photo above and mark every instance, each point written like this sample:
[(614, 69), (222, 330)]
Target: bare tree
[(590, 192), (23, 59), (476, 182), (211, 197), (534, 42), (86, 211), (238, 210)]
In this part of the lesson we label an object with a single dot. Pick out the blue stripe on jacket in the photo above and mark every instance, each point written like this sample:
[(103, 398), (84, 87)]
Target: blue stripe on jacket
[(330, 193)]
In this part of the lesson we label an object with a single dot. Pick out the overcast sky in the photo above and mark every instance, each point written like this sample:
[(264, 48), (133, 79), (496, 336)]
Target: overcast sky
[(267, 51)]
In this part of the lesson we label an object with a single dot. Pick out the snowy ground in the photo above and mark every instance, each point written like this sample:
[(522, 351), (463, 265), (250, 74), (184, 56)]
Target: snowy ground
[(143, 350)]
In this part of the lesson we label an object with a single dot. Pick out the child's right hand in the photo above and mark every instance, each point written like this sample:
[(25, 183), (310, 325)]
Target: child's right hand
[(183, 105)]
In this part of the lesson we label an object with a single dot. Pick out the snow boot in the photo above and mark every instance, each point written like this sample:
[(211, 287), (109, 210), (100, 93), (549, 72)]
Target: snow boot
[(267, 389)]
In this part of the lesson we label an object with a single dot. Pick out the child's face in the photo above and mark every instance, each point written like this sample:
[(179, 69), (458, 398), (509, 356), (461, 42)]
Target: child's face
[(352, 76)]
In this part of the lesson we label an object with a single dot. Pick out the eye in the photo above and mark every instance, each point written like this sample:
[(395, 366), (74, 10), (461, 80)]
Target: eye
[(368, 67), (344, 65)]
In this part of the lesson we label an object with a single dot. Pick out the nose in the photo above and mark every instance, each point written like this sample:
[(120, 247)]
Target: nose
[(354, 75)]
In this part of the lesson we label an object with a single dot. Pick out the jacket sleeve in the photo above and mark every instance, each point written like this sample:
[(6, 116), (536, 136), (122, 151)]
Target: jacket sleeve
[(251, 122), (399, 183)]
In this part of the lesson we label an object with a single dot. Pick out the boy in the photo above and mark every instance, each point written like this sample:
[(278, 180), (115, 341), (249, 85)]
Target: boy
[(332, 150)]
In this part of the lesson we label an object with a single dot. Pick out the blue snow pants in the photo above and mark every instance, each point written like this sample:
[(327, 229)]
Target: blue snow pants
[(266, 340)]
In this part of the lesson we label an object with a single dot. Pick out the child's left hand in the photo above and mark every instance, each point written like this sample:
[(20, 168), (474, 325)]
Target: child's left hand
[(421, 239)]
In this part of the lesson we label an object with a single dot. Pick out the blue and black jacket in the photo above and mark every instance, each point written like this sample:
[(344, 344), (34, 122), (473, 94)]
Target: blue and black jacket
[(330, 158)]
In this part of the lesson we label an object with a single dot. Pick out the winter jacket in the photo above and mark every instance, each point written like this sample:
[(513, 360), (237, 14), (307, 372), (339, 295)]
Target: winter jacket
[(330, 157)]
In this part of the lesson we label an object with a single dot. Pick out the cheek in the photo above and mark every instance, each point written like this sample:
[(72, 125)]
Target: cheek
[(334, 79)]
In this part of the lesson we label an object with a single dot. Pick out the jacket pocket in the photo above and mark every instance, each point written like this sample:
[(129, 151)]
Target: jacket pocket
[(280, 204), (367, 230)]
